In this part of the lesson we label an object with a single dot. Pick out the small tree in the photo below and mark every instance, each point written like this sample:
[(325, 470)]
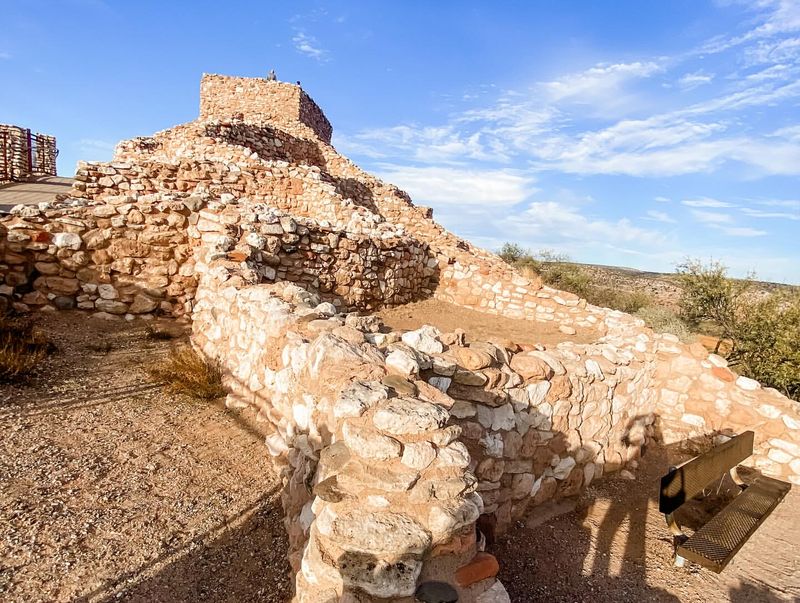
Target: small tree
[(708, 294), (511, 253)]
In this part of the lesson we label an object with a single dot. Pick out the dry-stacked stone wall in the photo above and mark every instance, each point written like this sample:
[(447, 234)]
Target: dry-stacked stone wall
[(24, 154)]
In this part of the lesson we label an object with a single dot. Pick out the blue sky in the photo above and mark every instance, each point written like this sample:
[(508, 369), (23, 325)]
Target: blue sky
[(628, 133)]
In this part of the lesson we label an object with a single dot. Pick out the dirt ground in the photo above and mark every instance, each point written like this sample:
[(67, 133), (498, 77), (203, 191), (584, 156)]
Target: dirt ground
[(615, 547), (112, 490), (478, 325)]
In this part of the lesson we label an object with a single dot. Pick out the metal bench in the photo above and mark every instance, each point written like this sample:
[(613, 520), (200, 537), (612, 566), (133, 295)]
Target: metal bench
[(716, 543)]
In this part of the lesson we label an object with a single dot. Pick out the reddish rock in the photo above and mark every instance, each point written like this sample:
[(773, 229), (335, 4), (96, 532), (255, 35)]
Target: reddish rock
[(723, 374)]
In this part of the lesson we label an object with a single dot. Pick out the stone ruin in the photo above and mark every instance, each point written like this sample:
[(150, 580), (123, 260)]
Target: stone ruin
[(392, 446), (25, 154)]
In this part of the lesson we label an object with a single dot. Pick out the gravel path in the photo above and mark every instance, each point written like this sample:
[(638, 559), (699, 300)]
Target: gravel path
[(112, 490)]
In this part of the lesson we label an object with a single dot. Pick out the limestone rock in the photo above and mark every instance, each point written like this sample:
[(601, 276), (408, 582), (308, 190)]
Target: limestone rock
[(408, 415)]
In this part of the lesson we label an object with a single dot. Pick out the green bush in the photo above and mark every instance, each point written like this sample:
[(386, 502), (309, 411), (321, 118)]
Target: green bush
[(760, 333), (664, 320), (766, 342), (709, 295), (557, 271)]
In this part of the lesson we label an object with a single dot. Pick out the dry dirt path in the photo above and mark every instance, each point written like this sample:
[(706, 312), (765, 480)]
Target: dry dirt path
[(615, 547), (112, 490), (43, 188)]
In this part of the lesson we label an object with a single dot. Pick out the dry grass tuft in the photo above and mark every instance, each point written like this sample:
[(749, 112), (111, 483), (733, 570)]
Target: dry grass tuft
[(185, 372), (22, 348), (158, 334)]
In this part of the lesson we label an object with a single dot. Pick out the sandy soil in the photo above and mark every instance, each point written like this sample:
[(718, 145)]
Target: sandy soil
[(478, 325), (110, 489), (615, 546)]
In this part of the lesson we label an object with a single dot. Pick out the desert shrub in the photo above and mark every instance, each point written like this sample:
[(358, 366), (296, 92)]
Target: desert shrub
[(760, 333), (557, 271), (616, 299), (512, 253), (709, 295), (22, 348), (664, 320), (765, 342), (186, 372)]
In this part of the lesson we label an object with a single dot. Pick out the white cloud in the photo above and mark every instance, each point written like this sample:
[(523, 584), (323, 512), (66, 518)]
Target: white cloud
[(4, 56), (663, 199), (308, 45), (543, 220), (706, 202), (659, 216), (601, 80), (760, 213), (711, 217), (465, 187), (694, 80), (740, 231)]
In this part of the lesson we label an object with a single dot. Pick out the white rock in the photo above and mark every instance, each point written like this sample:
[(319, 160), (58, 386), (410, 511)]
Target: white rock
[(563, 468), (425, 339), (454, 454), (503, 418), (402, 363), (440, 383), (325, 309), (747, 383), (492, 443), (418, 455), (67, 240)]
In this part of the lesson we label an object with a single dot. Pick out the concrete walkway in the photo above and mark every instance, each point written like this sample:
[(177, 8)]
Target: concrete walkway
[(33, 191)]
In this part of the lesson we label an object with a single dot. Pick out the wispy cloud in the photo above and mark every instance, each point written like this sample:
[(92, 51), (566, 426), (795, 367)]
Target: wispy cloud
[(711, 217), (308, 45), (760, 213), (694, 80), (660, 216), (460, 186), (5, 56), (706, 202)]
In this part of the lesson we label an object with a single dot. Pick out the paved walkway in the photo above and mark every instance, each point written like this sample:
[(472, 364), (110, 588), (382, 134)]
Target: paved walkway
[(34, 191)]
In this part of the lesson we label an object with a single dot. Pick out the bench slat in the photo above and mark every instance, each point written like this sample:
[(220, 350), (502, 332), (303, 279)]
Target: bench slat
[(715, 544), (686, 481)]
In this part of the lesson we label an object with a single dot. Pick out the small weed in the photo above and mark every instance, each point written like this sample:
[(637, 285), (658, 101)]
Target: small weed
[(185, 372), (157, 334)]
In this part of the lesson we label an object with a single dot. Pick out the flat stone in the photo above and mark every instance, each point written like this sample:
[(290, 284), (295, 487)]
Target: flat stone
[(402, 363), (408, 415), (482, 566), (356, 399), (531, 367), (370, 443), (418, 455), (472, 359), (436, 592), (401, 385)]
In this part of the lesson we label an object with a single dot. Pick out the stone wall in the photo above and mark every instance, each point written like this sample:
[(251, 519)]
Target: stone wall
[(376, 496), (257, 99), (16, 163), (124, 257)]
